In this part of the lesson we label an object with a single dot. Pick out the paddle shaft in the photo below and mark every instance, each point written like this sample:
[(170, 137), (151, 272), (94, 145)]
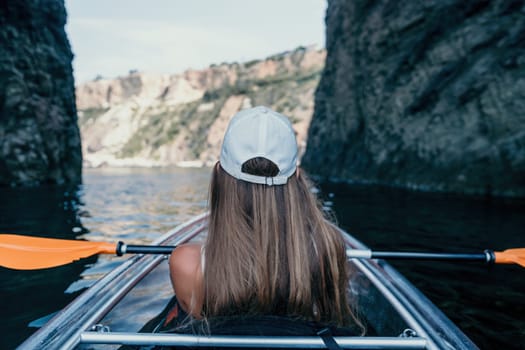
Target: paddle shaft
[(21, 252), (487, 256), (123, 248)]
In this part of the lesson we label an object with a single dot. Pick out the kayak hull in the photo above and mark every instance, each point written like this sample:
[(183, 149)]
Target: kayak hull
[(116, 308)]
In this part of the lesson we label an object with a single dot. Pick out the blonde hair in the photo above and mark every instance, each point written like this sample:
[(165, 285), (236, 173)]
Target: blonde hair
[(271, 251)]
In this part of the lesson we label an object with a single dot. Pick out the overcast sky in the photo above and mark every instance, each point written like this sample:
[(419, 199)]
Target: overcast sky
[(111, 37)]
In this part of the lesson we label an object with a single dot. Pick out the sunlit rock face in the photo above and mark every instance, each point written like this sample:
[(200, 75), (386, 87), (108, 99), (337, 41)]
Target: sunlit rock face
[(423, 94), (179, 119), (39, 136)]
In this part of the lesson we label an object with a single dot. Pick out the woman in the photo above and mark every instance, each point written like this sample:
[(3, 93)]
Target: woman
[(269, 249)]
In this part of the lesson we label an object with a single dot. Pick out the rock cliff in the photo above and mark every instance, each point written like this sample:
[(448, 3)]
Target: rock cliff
[(159, 120), (39, 136), (427, 95)]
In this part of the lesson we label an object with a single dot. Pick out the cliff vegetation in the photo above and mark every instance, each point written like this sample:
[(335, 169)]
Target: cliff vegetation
[(160, 120)]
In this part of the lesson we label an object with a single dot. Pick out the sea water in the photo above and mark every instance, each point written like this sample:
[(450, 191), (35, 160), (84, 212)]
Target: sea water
[(138, 205)]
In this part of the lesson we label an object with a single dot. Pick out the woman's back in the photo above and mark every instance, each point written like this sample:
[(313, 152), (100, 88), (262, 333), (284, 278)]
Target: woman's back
[(269, 249)]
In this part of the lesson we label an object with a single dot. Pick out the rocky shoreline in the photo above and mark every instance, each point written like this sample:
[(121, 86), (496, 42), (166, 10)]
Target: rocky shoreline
[(423, 96), (427, 96), (39, 136)]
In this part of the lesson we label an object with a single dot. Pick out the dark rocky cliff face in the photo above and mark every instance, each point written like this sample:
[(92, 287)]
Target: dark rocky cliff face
[(39, 136), (423, 94)]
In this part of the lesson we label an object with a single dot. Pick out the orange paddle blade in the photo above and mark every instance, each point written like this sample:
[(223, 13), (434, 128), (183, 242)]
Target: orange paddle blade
[(28, 253), (511, 256)]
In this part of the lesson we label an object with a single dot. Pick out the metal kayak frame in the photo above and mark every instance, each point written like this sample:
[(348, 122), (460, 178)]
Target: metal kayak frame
[(250, 342), (75, 324)]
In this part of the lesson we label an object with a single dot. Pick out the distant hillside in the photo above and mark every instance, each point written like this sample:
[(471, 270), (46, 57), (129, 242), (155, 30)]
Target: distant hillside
[(160, 120)]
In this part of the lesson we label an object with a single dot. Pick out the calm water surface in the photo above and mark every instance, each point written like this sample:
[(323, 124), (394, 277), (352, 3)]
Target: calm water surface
[(138, 205)]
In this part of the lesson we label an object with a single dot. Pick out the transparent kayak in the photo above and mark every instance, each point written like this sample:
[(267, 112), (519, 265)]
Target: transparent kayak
[(113, 311)]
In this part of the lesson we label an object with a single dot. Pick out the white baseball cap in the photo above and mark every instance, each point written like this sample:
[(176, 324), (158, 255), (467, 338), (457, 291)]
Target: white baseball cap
[(259, 132)]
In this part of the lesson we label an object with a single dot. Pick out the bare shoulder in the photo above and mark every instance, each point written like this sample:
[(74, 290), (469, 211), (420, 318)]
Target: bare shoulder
[(185, 256), (186, 276)]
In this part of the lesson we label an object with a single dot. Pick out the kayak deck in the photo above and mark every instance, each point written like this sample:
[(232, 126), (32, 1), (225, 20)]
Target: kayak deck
[(115, 309)]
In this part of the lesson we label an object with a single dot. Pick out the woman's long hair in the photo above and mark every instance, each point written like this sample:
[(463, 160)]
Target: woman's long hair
[(270, 251)]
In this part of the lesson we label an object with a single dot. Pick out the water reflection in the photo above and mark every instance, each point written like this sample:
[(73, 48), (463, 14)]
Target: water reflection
[(28, 295), (132, 205), (485, 302), (139, 205)]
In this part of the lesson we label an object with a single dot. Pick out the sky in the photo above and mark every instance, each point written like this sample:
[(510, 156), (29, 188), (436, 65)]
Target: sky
[(111, 37)]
